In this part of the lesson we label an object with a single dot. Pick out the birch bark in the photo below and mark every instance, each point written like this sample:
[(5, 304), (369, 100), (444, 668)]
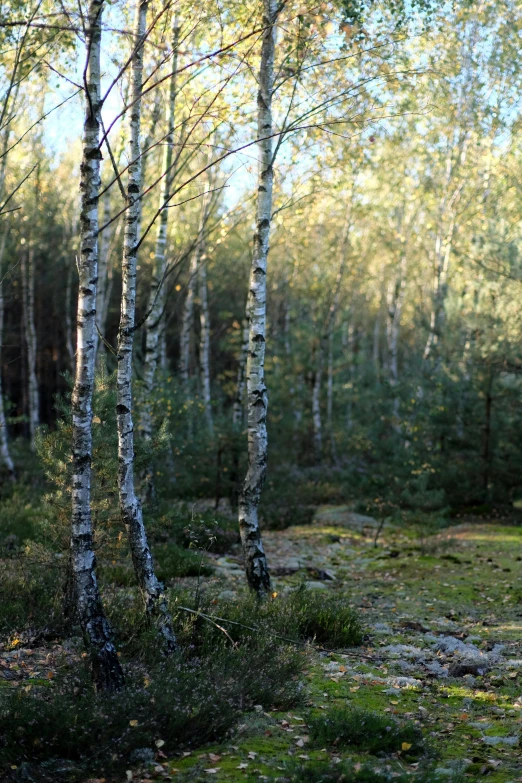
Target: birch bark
[(96, 630), (187, 324), (237, 408), (103, 281), (5, 455), (130, 506), (256, 565), (30, 341), (156, 294), (204, 341)]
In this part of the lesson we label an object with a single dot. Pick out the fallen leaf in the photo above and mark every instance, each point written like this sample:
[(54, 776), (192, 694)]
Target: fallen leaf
[(159, 743), (214, 757), (133, 723), (406, 745)]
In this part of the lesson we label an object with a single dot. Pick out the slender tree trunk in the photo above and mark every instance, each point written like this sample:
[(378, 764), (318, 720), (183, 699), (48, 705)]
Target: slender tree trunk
[(130, 506), (96, 630), (257, 398), (68, 320), (103, 281), (237, 408), (156, 304), (30, 341), (204, 342), (486, 449), (316, 406), (5, 455), (187, 325), (395, 301)]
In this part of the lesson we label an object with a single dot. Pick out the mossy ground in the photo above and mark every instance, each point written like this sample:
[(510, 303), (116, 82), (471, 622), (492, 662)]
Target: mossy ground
[(409, 589), (464, 581)]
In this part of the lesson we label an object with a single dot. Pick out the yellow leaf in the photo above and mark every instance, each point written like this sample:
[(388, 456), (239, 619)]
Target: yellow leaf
[(406, 745), (96, 420), (133, 723)]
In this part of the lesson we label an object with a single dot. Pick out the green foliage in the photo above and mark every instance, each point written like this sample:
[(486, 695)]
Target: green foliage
[(31, 596), (302, 615), (369, 731), (173, 561)]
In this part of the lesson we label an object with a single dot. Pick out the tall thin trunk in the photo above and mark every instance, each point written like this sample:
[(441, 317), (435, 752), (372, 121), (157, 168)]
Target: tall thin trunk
[(486, 447), (96, 630), (5, 455), (69, 347), (395, 300), (30, 341), (326, 330), (257, 398), (130, 506), (204, 341), (237, 408), (103, 281), (156, 304), (187, 324)]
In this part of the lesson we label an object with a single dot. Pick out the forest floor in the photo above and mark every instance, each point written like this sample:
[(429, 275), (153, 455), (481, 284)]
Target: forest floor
[(443, 617)]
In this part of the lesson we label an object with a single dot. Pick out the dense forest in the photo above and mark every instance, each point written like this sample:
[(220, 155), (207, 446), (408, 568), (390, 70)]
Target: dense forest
[(260, 390)]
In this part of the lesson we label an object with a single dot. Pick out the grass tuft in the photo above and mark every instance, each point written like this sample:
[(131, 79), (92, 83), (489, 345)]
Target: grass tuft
[(367, 731)]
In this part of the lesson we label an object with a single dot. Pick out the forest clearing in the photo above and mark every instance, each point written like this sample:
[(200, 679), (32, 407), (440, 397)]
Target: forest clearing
[(260, 391)]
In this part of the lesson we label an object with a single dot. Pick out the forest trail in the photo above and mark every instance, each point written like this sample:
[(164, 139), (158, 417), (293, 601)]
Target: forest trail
[(443, 618)]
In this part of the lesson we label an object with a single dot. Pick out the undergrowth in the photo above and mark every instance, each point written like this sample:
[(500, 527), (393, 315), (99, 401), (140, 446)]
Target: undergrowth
[(368, 731), (179, 703)]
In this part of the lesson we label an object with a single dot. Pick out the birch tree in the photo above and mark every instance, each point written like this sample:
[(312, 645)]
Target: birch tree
[(256, 565), (5, 454), (95, 627), (33, 404), (103, 274), (204, 340), (156, 294), (130, 506)]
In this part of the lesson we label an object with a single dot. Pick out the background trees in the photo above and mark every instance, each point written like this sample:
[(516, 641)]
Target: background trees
[(392, 328)]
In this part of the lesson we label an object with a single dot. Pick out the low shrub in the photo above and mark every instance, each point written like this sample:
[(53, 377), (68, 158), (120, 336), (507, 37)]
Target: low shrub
[(65, 731), (302, 615), (32, 596), (368, 731)]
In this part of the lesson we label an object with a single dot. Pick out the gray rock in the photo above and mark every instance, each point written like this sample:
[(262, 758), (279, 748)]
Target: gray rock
[(316, 585), (404, 682), (511, 741), (403, 651), (142, 755), (437, 669)]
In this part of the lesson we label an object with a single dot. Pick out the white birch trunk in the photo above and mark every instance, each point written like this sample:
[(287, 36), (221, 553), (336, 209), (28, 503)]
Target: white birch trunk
[(257, 398), (204, 340), (238, 406), (130, 506), (5, 455), (395, 300), (156, 304), (30, 342), (97, 632), (68, 320), (187, 325), (103, 280), (316, 405)]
